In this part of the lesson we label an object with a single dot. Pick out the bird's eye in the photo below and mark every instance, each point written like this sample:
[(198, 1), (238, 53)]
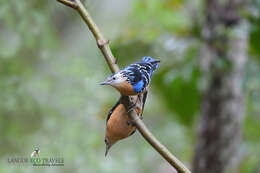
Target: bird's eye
[(114, 78), (105, 140)]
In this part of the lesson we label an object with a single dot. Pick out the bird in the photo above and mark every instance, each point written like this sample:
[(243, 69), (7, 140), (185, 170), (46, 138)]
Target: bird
[(35, 153), (134, 79), (118, 124)]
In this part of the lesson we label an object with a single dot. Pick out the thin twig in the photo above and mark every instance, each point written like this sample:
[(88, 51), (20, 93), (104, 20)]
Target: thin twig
[(103, 45), (69, 3)]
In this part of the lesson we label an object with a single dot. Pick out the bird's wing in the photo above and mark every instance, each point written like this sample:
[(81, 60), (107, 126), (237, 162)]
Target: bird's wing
[(133, 74), (111, 111), (140, 75)]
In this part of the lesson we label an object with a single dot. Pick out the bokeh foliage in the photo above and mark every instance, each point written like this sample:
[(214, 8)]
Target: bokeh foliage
[(50, 68)]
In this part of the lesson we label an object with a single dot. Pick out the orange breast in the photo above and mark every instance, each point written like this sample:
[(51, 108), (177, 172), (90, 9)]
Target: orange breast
[(126, 89), (117, 126)]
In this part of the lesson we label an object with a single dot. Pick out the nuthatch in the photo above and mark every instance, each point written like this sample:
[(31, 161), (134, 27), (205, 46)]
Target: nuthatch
[(118, 124), (135, 78)]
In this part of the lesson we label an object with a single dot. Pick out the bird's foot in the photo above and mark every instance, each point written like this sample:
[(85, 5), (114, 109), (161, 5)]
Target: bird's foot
[(130, 123), (131, 107)]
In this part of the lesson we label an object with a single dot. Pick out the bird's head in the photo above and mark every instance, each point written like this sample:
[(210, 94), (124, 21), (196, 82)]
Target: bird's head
[(114, 80), (154, 62), (36, 149), (109, 142)]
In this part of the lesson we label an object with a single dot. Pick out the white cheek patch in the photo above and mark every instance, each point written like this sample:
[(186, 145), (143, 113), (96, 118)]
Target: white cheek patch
[(118, 81)]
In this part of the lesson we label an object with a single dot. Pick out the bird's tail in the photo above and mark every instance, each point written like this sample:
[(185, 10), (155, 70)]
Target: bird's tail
[(154, 62)]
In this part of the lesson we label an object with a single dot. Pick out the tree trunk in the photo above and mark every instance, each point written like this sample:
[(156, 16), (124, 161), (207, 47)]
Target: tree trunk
[(223, 57)]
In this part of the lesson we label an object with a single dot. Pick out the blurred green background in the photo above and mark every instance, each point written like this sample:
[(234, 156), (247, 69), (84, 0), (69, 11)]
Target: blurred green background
[(50, 70)]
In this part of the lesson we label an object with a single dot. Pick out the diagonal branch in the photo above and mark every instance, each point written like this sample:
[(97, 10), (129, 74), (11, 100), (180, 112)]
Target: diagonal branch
[(69, 3), (103, 45)]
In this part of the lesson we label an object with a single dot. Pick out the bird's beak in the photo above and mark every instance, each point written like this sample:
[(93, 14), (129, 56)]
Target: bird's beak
[(107, 149), (156, 61), (106, 82)]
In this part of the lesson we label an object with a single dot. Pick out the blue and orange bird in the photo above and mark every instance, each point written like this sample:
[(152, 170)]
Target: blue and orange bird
[(118, 124), (134, 79)]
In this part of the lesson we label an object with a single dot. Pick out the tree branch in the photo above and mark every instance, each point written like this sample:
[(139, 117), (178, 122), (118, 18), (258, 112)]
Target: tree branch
[(69, 3), (103, 45)]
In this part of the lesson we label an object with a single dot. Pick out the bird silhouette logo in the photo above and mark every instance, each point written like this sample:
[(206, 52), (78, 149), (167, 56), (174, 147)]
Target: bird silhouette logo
[(35, 153)]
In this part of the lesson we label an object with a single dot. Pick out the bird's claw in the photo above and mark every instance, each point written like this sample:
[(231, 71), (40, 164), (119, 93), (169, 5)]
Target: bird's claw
[(131, 107), (130, 123)]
